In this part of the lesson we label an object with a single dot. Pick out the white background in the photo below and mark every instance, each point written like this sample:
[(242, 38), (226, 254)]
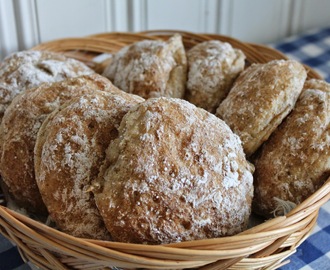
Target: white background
[(25, 23)]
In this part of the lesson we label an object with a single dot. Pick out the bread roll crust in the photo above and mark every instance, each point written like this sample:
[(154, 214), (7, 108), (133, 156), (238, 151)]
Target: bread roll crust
[(262, 96), (19, 128), (150, 68), (69, 149), (295, 162), (175, 173), (212, 67), (27, 69)]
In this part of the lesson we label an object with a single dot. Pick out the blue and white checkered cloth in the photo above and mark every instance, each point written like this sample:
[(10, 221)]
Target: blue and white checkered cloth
[(314, 252), (312, 49)]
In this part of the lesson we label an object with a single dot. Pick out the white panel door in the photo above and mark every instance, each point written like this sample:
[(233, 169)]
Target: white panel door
[(310, 14), (257, 20), (26, 23), (72, 18), (186, 15), (8, 35)]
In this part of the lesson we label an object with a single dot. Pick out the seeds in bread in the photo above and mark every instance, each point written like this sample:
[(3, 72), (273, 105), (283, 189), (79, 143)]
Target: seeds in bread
[(262, 96), (295, 161), (150, 68), (175, 173), (212, 67)]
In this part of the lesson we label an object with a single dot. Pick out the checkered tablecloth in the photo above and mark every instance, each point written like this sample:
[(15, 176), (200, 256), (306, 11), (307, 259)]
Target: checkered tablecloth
[(312, 49), (314, 252)]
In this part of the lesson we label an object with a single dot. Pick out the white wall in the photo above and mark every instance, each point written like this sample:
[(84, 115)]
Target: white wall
[(8, 37), (24, 23)]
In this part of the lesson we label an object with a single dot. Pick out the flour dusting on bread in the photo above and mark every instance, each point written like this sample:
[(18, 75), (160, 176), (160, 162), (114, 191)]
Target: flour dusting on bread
[(27, 69), (150, 68), (185, 183), (294, 162), (261, 97), (212, 67)]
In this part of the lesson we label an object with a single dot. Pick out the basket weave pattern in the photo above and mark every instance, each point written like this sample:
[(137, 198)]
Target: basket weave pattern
[(265, 246)]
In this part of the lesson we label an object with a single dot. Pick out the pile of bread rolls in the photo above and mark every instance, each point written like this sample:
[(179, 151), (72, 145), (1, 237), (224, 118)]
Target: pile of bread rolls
[(166, 145)]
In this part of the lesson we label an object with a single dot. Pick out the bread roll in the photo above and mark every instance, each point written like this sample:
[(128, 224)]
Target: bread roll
[(295, 161), (69, 150), (19, 128), (27, 69), (150, 68), (212, 67), (175, 173), (262, 96)]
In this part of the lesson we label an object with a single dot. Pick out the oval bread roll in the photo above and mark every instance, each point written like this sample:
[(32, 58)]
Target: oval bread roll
[(212, 67), (19, 128), (295, 161), (26, 69), (175, 173), (262, 96), (150, 68), (69, 150)]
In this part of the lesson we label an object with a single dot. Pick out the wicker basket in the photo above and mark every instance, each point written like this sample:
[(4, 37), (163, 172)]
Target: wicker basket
[(265, 246)]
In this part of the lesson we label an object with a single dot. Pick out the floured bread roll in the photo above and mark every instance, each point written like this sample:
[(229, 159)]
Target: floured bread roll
[(262, 96), (69, 150), (175, 173), (19, 128), (27, 69), (150, 68), (295, 161), (212, 67)]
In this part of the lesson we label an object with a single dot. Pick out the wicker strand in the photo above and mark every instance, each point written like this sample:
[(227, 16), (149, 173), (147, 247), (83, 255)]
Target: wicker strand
[(96, 45), (222, 265)]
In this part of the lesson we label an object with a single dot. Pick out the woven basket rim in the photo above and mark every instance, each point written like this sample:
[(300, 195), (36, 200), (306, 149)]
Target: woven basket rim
[(111, 42), (264, 245), (312, 203)]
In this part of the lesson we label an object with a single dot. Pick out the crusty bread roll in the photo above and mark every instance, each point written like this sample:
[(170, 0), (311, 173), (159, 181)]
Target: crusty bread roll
[(19, 128), (175, 173), (27, 69), (212, 67), (69, 150), (150, 68), (262, 96), (295, 161)]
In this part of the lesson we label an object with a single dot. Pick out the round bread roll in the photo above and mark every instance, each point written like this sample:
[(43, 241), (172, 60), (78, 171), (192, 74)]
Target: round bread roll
[(262, 96), (212, 67), (70, 147), (295, 161), (27, 69), (150, 68), (175, 173), (19, 128)]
